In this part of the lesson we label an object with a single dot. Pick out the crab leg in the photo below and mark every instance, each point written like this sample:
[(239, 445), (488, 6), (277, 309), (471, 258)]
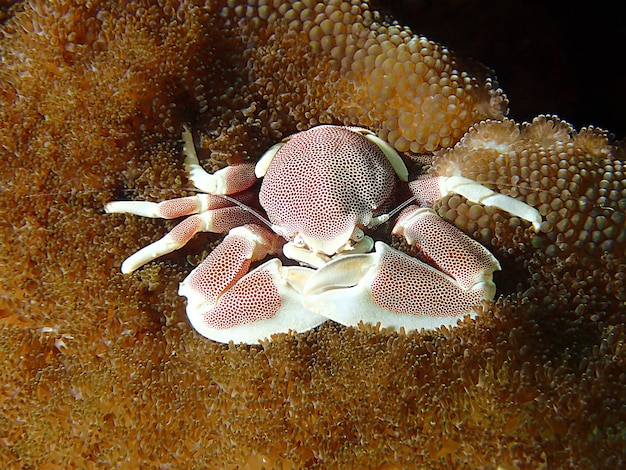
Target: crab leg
[(399, 291), (230, 180), (215, 221), (169, 209), (226, 304), (212, 214), (429, 189)]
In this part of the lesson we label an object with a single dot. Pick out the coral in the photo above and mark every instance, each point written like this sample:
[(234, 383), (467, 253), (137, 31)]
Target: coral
[(100, 369), (355, 67), (574, 179)]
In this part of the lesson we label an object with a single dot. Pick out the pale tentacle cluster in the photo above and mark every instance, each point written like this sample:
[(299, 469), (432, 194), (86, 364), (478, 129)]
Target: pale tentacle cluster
[(322, 190)]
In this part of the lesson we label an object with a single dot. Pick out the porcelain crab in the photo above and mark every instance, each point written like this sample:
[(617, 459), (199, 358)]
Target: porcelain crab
[(322, 189)]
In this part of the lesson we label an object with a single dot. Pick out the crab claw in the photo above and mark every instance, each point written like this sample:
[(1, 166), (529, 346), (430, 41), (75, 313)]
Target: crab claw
[(260, 304), (393, 289), (226, 304)]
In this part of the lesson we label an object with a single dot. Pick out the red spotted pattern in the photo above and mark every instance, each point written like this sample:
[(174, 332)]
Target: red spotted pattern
[(239, 177), (451, 250), (324, 181), (231, 217), (405, 286), (186, 229), (227, 263), (426, 190), (253, 298), (178, 207)]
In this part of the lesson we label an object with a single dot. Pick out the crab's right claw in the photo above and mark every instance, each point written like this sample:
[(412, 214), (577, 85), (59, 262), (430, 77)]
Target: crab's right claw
[(224, 303), (390, 288), (260, 304)]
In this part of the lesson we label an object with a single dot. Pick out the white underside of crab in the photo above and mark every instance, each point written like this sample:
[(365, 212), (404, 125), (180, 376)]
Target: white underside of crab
[(321, 190)]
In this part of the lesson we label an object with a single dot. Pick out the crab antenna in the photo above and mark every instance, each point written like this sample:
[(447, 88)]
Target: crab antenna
[(385, 217), (247, 209), (401, 206)]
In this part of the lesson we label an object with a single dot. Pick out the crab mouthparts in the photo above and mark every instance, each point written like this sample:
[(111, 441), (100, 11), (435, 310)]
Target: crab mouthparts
[(332, 244)]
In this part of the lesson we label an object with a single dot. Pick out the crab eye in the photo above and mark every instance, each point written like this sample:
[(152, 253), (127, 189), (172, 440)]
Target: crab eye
[(298, 241)]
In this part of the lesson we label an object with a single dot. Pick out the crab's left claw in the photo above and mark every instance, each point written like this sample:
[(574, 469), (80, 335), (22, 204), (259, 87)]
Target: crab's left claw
[(393, 289), (399, 291)]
